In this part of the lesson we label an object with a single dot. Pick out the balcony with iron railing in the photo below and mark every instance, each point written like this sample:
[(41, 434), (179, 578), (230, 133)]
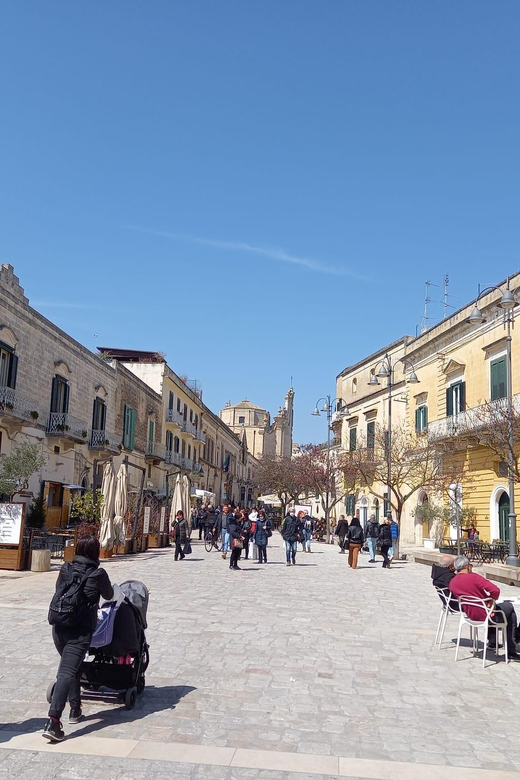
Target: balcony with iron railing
[(66, 426), (200, 436), (102, 440), (189, 427), (17, 406), (471, 420), (173, 458), (155, 451), (174, 417)]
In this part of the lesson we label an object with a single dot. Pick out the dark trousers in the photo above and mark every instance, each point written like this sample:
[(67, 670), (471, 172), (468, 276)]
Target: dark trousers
[(201, 529), (262, 553), (235, 557), (71, 644), (246, 545), (509, 611), (384, 553), (178, 550)]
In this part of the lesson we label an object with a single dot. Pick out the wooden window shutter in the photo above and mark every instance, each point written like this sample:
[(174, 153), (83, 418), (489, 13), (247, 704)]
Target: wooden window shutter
[(449, 402), (463, 396), (13, 369)]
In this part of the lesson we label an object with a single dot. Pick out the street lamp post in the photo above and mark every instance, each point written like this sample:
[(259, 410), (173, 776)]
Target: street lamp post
[(327, 408), (386, 371), (507, 303)]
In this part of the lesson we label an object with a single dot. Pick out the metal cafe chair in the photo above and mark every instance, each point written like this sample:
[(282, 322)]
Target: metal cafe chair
[(489, 610)]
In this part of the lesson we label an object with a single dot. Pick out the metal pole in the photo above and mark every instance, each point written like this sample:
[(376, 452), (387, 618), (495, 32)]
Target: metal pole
[(512, 559), (389, 437), (327, 519)]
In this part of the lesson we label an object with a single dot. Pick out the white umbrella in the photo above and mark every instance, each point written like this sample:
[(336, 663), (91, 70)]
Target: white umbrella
[(106, 531), (121, 503), (181, 497)]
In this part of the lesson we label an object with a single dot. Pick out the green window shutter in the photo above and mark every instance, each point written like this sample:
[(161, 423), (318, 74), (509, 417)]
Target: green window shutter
[(463, 396), (418, 419), (498, 379), (151, 430), (449, 402), (132, 428), (425, 417), (126, 418), (371, 435), (352, 439)]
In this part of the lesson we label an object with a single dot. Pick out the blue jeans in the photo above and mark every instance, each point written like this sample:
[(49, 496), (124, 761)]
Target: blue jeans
[(391, 550), (290, 550), (372, 547), (225, 540), (306, 543)]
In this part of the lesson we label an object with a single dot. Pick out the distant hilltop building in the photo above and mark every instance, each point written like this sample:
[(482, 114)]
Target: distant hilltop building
[(254, 423)]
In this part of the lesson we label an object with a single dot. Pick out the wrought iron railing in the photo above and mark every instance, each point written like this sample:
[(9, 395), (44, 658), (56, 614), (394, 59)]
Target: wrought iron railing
[(201, 436), (175, 458), (175, 417), (189, 427), (471, 419), (102, 440), (61, 424), (155, 450), (15, 405)]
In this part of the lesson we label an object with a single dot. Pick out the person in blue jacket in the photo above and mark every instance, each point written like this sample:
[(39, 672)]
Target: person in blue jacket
[(395, 535)]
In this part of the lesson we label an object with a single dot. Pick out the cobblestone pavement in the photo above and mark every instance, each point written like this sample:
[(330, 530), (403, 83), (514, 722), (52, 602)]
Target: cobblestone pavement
[(272, 672)]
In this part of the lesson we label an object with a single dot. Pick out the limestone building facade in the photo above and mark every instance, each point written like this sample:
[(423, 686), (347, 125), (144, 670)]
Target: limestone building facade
[(263, 437)]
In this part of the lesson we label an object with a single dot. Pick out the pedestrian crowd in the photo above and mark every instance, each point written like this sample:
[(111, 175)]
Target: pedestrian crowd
[(352, 538)]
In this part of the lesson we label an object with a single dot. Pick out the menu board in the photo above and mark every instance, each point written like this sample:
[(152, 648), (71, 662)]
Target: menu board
[(146, 520), (162, 520), (11, 518)]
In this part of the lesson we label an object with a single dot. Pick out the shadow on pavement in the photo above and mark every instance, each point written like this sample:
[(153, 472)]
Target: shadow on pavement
[(153, 699)]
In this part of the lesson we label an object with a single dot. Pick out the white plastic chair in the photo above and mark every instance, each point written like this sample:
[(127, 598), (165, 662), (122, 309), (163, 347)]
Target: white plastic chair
[(490, 611), (446, 611)]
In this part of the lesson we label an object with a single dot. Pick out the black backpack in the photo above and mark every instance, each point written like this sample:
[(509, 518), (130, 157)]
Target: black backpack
[(246, 526), (69, 605)]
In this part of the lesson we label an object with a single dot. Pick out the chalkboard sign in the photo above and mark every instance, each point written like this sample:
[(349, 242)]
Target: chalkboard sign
[(11, 523)]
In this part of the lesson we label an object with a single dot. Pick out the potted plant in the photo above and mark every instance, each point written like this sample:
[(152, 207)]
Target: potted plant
[(34, 414), (84, 434), (9, 405)]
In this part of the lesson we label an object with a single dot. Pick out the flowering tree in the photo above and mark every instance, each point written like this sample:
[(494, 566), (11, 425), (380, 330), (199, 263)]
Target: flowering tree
[(282, 477)]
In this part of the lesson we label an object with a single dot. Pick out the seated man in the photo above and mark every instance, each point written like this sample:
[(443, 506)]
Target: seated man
[(442, 574), (466, 583)]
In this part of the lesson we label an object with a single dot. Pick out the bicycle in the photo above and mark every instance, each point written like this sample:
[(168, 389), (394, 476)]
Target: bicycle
[(212, 541)]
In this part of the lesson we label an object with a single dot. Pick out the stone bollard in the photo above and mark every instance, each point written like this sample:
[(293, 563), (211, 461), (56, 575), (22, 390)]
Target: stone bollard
[(41, 560)]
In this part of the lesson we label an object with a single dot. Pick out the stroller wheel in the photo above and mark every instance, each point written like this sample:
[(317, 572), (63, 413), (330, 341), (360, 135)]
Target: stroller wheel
[(130, 698), (50, 691), (141, 682)]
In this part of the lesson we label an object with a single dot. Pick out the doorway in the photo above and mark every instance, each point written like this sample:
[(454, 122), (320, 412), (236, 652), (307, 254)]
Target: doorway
[(503, 517)]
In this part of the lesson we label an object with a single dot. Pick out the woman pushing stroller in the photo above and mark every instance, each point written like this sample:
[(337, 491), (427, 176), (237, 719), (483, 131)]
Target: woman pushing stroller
[(73, 616)]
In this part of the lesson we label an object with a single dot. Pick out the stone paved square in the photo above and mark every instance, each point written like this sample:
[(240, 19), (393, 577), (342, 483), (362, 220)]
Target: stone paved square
[(315, 661)]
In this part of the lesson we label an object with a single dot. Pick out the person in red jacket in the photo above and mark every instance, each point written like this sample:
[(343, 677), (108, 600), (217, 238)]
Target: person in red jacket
[(467, 583)]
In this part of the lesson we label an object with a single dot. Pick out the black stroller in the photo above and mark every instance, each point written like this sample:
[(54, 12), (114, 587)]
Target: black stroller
[(115, 669)]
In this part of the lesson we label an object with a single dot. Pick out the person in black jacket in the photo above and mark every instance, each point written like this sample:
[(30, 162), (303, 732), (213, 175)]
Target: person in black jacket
[(72, 642), (234, 527), (341, 531), (355, 538), (371, 535), (385, 538), (442, 574), (180, 534), (291, 532)]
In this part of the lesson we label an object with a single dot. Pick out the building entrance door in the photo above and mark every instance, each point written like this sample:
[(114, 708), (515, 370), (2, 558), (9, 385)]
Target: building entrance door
[(503, 519)]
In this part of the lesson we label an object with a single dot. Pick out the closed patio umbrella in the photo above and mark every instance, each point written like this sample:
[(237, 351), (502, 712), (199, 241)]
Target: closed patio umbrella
[(106, 531), (121, 503), (181, 497)]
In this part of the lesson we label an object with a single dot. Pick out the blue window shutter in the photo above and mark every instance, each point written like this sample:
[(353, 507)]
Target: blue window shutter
[(54, 395)]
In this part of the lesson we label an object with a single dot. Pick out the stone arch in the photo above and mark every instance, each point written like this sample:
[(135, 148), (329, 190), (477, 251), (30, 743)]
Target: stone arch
[(8, 336), (420, 529), (62, 368), (494, 526)]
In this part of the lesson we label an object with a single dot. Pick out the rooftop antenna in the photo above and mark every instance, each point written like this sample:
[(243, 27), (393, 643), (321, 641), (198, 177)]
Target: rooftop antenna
[(447, 295), (427, 300)]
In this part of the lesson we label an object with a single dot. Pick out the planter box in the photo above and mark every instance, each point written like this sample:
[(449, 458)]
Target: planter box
[(429, 544), (106, 553), (69, 551), (155, 540)]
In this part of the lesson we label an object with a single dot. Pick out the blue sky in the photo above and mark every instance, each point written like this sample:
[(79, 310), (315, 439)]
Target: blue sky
[(258, 189)]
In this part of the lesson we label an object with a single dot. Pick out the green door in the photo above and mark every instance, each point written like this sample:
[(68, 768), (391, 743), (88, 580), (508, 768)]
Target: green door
[(503, 517)]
